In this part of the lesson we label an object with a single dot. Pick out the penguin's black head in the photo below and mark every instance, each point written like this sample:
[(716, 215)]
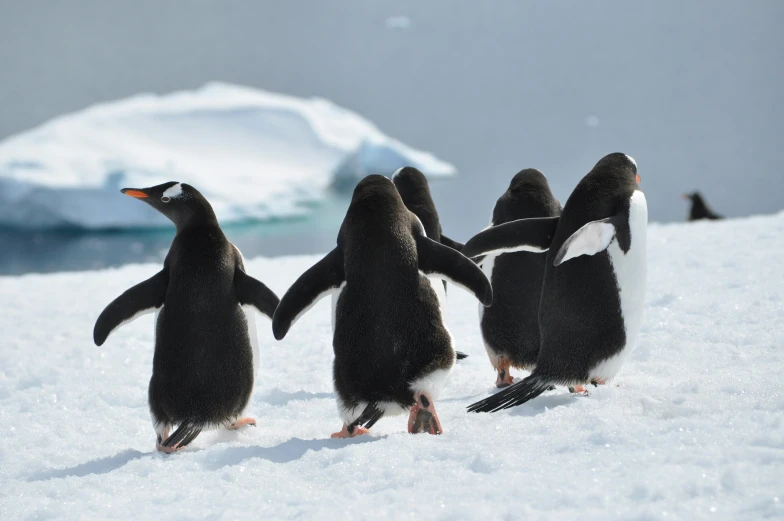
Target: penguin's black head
[(410, 182), (374, 186), (528, 180), (180, 202), (619, 164), (694, 197)]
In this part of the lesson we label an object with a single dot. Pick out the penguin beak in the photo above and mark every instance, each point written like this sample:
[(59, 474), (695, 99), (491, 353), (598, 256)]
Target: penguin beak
[(138, 194), (639, 179)]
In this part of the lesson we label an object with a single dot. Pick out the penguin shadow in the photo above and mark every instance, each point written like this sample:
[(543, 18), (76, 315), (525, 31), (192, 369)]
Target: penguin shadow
[(286, 452), (99, 466), (542, 403)]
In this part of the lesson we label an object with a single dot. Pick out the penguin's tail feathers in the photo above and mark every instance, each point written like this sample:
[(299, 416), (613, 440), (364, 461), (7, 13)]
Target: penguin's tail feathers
[(368, 418), (181, 437), (461, 355), (514, 395)]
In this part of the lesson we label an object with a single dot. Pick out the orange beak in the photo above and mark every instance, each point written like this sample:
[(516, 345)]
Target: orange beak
[(639, 179), (138, 194)]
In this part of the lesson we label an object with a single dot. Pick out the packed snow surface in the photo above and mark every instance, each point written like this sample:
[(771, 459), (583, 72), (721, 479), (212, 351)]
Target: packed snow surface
[(692, 428), (255, 155)]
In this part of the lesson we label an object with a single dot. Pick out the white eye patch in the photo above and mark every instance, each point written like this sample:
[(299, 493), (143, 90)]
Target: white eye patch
[(171, 192)]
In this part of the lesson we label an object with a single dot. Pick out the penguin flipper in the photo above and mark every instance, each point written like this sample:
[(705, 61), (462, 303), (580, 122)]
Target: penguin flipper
[(139, 300), (446, 241), (446, 263), (320, 280), (254, 292), (532, 235), (595, 237)]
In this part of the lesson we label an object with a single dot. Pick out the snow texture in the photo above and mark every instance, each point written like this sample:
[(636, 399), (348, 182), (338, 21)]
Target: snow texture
[(255, 155), (693, 430)]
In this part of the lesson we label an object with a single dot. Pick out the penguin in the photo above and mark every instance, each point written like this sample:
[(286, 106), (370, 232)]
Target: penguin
[(593, 288), (205, 338), (393, 353), (699, 208), (510, 327), (414, 189)]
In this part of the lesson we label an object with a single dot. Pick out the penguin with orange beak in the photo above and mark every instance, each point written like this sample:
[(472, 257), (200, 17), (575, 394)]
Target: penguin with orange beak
[(206, 348)]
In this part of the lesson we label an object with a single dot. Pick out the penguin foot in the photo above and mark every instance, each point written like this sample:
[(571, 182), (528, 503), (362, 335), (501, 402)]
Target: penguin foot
[(165, 449), (579, 389), (241, 423), (349, 431), (423, 417), (598, 381), (504, 377)]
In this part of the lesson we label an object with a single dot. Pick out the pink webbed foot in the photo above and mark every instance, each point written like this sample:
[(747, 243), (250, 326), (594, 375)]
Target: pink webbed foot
[(579, 389), (504, 378), (241, 423), (349, 431), (423, 417)]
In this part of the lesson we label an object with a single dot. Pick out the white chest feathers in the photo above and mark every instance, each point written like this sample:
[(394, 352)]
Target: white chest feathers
[(631, 275)]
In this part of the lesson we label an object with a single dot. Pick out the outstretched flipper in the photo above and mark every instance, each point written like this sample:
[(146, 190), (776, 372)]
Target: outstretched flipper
[(446, 263), (141, 299), (515, 394), (594, 237), (446, 241), (254, 292), (320, 280), (533, 235)]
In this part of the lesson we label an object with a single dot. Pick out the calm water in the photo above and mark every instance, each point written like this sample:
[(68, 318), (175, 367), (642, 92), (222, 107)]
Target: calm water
[(43, 252)]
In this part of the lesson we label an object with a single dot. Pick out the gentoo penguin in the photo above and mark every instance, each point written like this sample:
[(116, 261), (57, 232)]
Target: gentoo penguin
[(510, 327), (594, 280), (205, 337), (393, 353), (414, 189), (699, 208)]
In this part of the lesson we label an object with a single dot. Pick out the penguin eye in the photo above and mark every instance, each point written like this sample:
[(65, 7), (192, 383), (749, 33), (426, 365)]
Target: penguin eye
[(165, 199)]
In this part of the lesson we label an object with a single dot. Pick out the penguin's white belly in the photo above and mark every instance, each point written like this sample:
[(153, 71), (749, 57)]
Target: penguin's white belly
[(631, 275), (254, 340)]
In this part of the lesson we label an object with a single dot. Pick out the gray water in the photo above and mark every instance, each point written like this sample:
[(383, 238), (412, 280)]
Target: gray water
[(691, 89)]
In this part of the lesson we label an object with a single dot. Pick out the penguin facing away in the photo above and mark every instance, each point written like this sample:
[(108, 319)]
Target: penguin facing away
[(699, 208), (593, 289), (205, 338), (510, 327), (414, 189), (393, 353)]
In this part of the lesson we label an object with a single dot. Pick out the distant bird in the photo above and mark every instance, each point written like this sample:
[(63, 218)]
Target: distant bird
[(699, 208), (594, 280), (392, 352), (205, 336)]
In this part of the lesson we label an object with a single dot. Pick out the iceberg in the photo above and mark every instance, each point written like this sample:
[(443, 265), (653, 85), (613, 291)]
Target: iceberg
[(255, 155)]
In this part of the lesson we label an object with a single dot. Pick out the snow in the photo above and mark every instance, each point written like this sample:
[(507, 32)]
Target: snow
[(256, 155), (694, 430)]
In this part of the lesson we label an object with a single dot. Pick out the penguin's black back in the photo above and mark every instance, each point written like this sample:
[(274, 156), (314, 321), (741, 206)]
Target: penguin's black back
[(511, 325), (415, 192), (388, 328), (580, 313), (203, 362)]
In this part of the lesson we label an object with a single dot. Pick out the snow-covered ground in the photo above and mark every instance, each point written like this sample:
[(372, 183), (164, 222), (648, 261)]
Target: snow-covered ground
[(694, 429), (254, 154)]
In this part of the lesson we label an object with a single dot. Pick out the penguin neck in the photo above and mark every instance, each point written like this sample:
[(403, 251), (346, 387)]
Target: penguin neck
[(198, 215)]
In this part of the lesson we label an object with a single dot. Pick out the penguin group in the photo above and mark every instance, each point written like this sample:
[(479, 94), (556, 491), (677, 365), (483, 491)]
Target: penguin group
[(560, 292)]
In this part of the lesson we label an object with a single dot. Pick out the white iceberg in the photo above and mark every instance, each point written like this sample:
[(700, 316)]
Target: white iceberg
[(255, 155)]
